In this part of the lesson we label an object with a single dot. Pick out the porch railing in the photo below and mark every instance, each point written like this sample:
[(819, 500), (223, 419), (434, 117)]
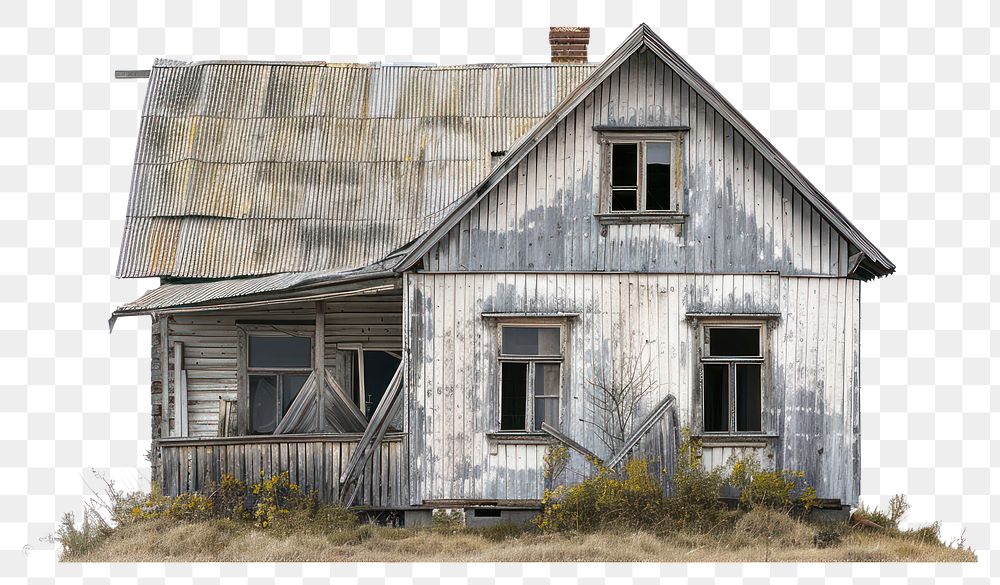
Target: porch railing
[(313, 461)]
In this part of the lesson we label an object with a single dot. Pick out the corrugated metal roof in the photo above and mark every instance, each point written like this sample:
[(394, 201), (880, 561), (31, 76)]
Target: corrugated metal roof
[(246, 168), (237, 290)]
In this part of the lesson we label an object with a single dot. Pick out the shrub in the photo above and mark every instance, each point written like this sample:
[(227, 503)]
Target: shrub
[(447, 520), (76, 542), (555, 463), (778, 490), (229, 498), (875, 516), (276, 497), (889, 520), (694, 492), (629, 499), (332, 518), (187, 506)]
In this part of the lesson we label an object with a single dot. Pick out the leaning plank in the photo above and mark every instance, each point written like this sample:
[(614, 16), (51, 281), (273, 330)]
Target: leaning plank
[(222, 417), (658, 411), (339, 406), (371, 439), (297, 419), (569, 442)]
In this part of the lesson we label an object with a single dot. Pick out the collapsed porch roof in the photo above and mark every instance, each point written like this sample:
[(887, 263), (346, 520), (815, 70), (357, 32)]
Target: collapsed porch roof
[(263, 290)]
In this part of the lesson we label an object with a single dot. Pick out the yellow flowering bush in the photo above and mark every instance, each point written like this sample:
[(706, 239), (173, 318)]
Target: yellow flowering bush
[(276, 497), (779, 490), (693, 503), (186, 506), (631, 499)]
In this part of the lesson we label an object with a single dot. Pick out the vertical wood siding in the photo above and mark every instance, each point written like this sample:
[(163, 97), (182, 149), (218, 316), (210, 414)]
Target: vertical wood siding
[(744, 216), (313, 462), (452, 368), (210, 346)]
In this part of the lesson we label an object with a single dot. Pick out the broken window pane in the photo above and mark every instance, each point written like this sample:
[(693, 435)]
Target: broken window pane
[(263, 404), (513, 392), (748, 397), (716, 397), (733, 341), (546, 395), (547, 380), (658, 176), (291, 384), (380, 367), (530, 341), (546, 410), (624, 177), (270, 351)]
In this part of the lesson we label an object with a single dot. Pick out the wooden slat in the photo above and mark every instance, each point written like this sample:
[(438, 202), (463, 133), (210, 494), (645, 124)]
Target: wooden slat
[(313, 463)]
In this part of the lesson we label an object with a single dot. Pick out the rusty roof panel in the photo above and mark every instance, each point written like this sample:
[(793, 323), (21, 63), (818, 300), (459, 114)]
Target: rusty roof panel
[(247, 168)]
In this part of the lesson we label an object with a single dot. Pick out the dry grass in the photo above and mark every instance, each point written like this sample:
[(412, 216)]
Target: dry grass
[(757, 536)]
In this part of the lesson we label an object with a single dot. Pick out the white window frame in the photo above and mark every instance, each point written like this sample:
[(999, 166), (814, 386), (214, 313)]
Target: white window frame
[(761, 359), (532, 361), (676, 140)]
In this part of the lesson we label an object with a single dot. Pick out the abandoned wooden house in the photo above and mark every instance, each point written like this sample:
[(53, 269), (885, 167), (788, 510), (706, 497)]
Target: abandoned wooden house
[(402, 284)]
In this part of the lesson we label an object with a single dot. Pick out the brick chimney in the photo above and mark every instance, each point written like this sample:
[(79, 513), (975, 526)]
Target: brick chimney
[(569, 43)]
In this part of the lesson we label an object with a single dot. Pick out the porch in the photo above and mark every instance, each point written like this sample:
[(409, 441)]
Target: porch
[(315, 462), (289, 373)]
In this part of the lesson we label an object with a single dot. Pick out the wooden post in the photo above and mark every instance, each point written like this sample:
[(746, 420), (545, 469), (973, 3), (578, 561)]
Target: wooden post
[(319, 365), (164, 379)]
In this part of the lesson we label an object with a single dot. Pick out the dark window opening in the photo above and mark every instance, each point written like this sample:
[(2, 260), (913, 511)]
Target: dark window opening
[(291, 385), (716, 398), (658, 176), (485, 513), (513, 393), (380, 367), (624, 177), (733, 341), (748, 397)]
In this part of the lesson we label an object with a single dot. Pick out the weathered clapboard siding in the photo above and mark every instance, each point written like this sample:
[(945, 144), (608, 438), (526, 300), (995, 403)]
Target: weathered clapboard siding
[(314, 462), (744, 216), (452, 368), (210, 348)]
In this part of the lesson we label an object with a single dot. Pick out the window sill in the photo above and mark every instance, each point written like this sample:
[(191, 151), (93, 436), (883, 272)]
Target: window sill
[(520, 438), (735, 440), (640, 217)]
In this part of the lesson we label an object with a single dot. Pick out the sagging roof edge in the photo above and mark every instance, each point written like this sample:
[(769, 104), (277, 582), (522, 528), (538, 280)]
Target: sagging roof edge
[(877, 264), (368, 283)]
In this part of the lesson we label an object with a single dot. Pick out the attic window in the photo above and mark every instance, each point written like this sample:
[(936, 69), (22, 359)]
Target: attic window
[(644, 177)]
